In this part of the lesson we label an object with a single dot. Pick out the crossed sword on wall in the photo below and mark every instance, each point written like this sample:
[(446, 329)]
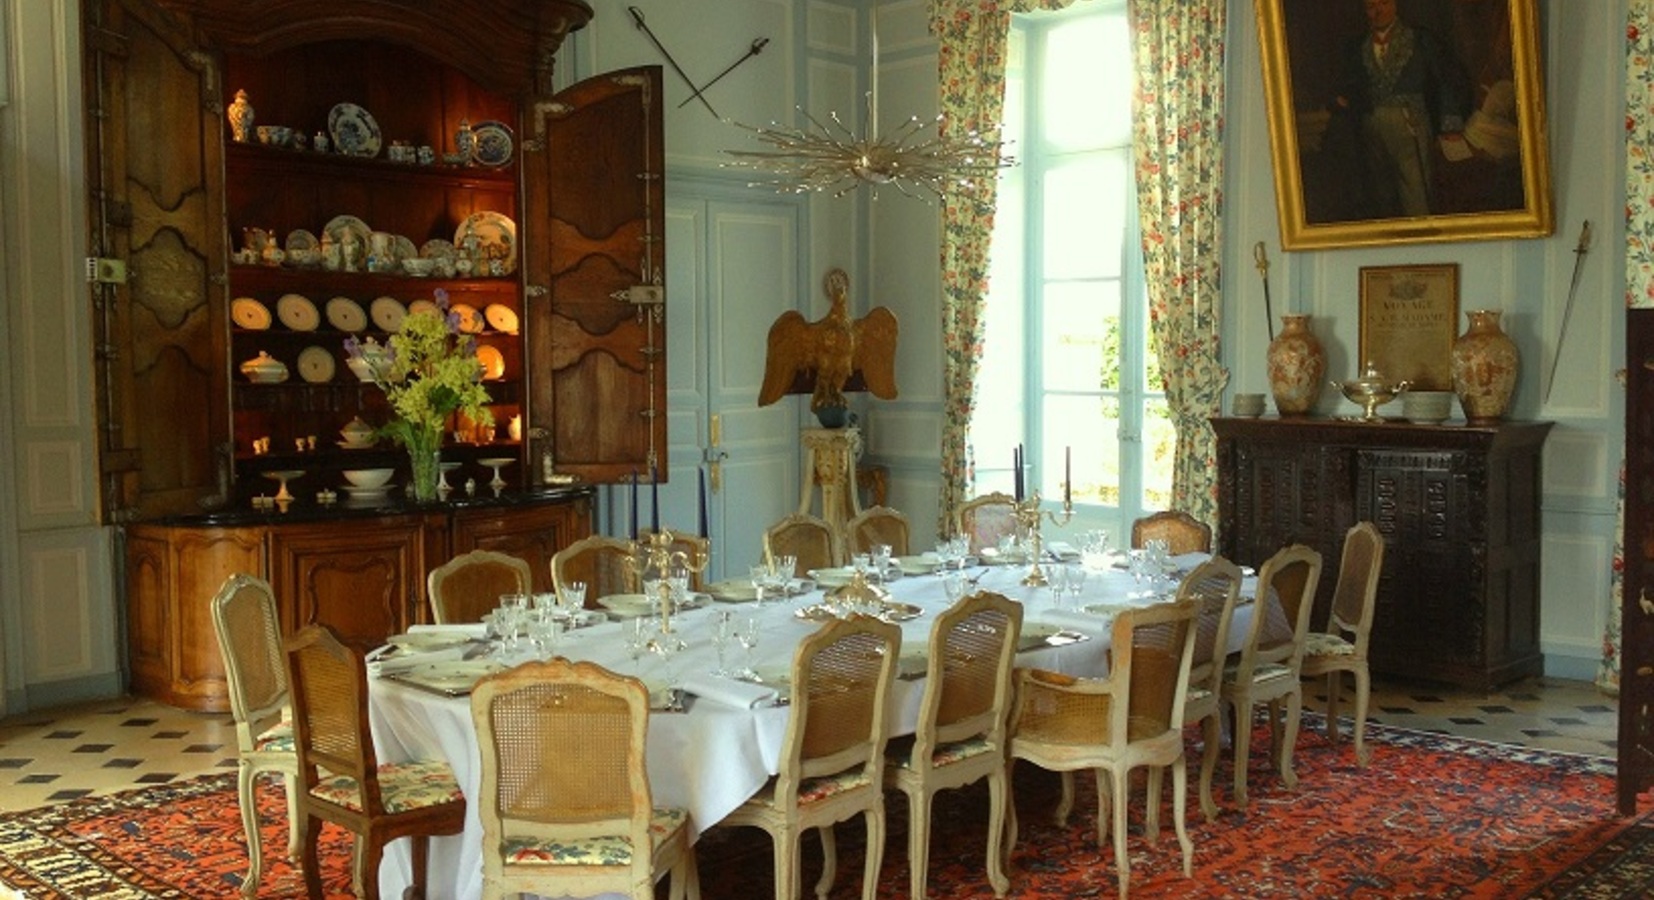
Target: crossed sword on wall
[(699, 92)]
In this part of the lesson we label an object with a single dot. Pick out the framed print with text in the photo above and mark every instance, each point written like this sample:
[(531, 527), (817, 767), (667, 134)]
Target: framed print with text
[(1409, 320)]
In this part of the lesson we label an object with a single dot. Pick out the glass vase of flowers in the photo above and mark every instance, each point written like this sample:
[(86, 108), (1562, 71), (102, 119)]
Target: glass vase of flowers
[(428, 371)]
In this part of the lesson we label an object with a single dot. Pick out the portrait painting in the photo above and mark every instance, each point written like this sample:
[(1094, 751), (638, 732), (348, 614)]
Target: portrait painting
[(1405, 121)]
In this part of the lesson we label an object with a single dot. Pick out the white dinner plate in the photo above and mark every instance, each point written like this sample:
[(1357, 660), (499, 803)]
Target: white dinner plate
[(916, 565), (387, 313), (628, 606), (250, 314), (733, 591), (297, 312), (500, 317), (492, 362), (494, 237), (346, 314), (834, 577), (316, 364), (470, 321)]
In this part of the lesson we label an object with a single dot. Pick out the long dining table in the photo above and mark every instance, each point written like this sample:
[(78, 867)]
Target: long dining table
[(711, 756)]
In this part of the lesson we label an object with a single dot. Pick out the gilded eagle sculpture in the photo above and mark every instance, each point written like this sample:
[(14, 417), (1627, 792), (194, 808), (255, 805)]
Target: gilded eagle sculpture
[(824, 356)]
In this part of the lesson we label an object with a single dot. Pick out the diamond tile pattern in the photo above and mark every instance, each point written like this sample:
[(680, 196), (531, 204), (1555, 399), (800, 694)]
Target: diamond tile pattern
[(123, 743)]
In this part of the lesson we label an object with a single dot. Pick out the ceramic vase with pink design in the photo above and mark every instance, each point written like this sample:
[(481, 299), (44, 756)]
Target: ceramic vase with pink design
[(1297, 367), (1484, 368)]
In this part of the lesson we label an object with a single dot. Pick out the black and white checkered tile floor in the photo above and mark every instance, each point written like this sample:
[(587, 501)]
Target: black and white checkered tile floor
[(52, 756)]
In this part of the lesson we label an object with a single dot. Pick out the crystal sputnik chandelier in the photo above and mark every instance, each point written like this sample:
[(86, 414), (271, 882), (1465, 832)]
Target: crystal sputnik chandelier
[(830, 157)]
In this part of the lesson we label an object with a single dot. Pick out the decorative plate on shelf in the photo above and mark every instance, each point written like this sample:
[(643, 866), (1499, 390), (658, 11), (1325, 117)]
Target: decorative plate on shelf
[(301, 241), (424, 306), (495, 237), (346, 314), (249, 314), (297, 312), (354, 130), (493, 145), (403, 247), (470, 321), (387, 313), (500, 317), (492, 361), (338, 226), (316, 364), (437, 248)]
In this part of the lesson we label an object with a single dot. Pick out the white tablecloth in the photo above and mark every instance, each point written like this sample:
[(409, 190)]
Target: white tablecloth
[(713, 757)]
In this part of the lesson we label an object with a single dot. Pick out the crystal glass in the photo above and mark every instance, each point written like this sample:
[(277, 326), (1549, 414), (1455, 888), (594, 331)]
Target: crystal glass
[(746, 634), (677, 580), (723, 634), (637, 632), (572, 597), (1057, 580), (760, 578), (879, 559), (544, 632), (953, 585)]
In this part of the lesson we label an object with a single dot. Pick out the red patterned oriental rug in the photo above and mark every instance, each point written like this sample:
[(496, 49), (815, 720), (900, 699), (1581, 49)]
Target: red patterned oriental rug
[(1431, 817)]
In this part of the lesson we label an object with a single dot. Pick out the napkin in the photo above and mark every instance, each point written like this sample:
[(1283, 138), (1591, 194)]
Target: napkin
[(476, 630), (1062, 550), (402, 662), (729, 692)]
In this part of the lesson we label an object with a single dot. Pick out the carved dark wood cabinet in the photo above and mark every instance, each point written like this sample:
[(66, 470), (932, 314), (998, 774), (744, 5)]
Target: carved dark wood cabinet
[(1636, 740), (1458, 600)]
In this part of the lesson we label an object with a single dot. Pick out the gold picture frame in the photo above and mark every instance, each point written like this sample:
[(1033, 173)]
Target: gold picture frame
[(1409, 320), (1353, 172)]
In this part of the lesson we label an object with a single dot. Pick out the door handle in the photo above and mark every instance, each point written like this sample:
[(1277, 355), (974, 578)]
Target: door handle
[(714, 454)]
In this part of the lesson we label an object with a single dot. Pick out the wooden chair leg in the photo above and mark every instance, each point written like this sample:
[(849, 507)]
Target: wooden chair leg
[(245, 782), (1243, 751), (998, 796), (1180, 803), (918, 841), (1208, 765), (1289, 738), (1363, 689), (875, 855), (310, 837), (1120, 782), (1151, 806), (829, 861), (1335, 685)]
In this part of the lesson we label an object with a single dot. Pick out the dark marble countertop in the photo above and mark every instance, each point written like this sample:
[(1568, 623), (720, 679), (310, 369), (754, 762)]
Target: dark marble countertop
[(305, 508)]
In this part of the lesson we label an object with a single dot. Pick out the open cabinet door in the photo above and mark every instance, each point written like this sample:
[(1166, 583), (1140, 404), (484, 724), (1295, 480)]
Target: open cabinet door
[(155, 169), (595, 217)]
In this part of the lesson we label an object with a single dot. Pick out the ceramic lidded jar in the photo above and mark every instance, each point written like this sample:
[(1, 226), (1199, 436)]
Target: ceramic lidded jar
[(1484, 368), (1297, 367), (241, 118)]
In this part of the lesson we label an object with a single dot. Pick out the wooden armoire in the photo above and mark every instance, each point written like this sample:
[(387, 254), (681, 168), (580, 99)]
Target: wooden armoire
[(570, 184), (1636, 737)]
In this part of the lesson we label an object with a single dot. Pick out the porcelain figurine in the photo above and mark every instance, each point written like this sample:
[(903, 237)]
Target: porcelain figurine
[(330, 254), (271, 255), (465, 141)]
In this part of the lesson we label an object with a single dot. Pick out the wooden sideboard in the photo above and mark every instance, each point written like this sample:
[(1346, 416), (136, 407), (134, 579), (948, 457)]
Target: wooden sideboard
[(1459, 507), (360, 571)]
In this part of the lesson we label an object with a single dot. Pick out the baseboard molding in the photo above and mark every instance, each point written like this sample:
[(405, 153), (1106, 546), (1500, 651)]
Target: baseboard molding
[(68, 692)]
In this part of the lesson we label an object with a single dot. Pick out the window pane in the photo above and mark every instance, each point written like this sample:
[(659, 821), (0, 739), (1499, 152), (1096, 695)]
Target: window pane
[(1091, 426), (1080, 346), (1159, 451), (1084, 222), (1086, 83)]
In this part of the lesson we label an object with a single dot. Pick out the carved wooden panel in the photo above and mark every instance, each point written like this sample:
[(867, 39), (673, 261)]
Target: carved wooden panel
[(362, 580), (156, 178), (594, 184), (171, 577)]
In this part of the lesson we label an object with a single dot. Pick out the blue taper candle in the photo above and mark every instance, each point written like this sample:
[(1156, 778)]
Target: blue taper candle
[(702, 473), (634, 505), (654, 499)]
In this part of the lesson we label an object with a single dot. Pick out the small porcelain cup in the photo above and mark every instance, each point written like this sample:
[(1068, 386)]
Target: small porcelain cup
[(1246, 405)]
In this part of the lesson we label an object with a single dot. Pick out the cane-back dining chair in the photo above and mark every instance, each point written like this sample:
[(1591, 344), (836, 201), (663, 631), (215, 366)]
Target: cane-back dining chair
[(1342, 647), (565, 803), (807, 538), (1215, 586), (1271, 658), (603, 563), (984, 520), (878, 525), (467, 587), (1182, 532), (832, 755), (696, 550), (1132, 718), (342, 780), (960, 735), (245, 618)]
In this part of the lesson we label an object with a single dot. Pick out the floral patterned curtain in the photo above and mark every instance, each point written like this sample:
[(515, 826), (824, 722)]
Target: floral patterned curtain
[(1639, 263), (971, 72), (1178, 136)]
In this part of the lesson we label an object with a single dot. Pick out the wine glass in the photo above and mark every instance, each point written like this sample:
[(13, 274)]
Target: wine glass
[(953, 585), (723, 633), (1058, 576), (636, 634), (760, 578), (746, 634), (544, 632), (571, 598)]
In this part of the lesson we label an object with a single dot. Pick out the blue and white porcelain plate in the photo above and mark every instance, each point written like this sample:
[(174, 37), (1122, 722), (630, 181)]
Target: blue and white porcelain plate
[(493, 146), (355, 133)]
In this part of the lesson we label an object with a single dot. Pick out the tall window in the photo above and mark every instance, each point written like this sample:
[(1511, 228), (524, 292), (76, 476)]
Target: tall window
[(1069, 364)]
